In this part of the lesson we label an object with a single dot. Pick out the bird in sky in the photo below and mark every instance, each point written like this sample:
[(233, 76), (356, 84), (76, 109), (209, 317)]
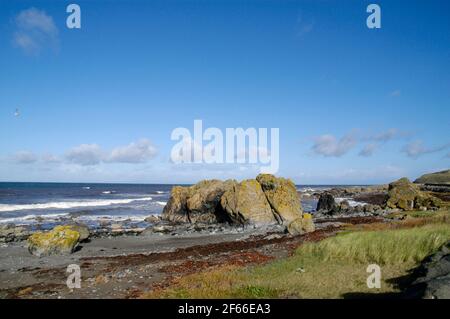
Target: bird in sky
[(16, 113)]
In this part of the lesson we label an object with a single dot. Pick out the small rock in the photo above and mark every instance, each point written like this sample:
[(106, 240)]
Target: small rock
[(116, 226), (301, 225), (368, 208), (160, 229), (326, 203), (153, 219), (60, 240)]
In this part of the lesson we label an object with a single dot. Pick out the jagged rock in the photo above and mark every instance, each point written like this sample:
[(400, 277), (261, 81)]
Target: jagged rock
[(176, 210), (203, 203), (61, 240), (326, 203), (301, 225), (433, 280), (265, 200), (369, 208), (358, 209), (344, 206), (246, 203), (11, 232), (282, 196), (407, 196), (197, 203)]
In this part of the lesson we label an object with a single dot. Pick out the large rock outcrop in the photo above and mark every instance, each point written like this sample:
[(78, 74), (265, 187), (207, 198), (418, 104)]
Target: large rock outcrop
[(197, 203), (282, 196), (405, 195), (62, 240), (203, 203), (264, 200), (246, 203)]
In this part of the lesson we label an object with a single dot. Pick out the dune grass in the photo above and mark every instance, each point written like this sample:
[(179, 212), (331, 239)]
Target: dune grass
[(386, 247), (330, 268)]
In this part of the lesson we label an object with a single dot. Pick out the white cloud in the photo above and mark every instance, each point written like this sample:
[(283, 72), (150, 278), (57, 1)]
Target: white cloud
[(377, 140), (50, 159), (35, 30), (368, 150), (415, 149), (25, 157), (388, 135), (329, 146), (85, 154), (136, 152), (92, 154), (140, 151)]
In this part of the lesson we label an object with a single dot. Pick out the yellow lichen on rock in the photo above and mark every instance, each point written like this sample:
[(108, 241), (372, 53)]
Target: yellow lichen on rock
[(60, 240), (264, 200), (301, 226), (246, 203), (83, 230), (282, 196), (407, 196), (307, 216)]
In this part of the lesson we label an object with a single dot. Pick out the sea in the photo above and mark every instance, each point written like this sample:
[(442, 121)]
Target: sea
[(93, 204)]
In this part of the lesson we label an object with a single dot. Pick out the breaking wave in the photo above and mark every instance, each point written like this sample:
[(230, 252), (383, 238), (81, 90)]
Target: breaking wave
[(66, 205)]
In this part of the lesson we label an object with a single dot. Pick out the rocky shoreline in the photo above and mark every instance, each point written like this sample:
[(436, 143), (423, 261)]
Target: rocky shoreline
[(211, 223), (129, 266), (186, 214)]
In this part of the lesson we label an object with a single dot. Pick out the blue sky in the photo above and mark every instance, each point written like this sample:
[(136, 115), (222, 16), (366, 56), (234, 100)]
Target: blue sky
[(98, 104)]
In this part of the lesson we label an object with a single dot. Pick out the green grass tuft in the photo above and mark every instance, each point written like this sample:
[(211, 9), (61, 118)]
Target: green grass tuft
[(381, 247)]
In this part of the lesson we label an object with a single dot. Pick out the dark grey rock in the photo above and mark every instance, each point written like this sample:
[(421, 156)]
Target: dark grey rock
[(434, 277), (326, 203)]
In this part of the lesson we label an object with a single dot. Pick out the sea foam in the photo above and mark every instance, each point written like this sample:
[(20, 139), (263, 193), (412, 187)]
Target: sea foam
[(66, 205)]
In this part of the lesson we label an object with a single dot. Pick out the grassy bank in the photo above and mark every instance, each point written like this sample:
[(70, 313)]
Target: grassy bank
[(333, 268)]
